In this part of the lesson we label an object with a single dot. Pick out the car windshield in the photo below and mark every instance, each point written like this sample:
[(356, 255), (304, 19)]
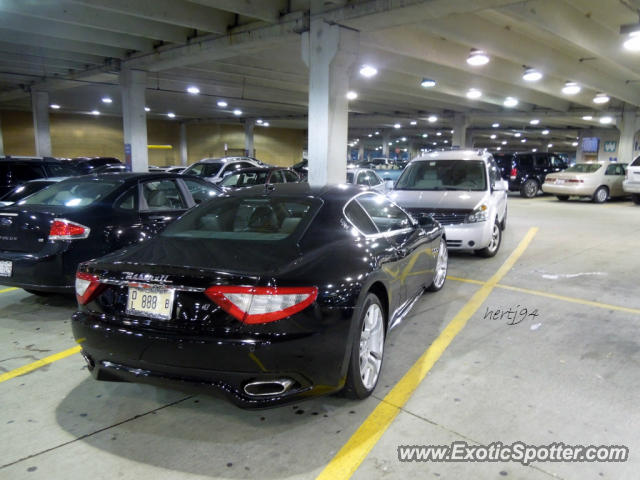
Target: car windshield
[(203, 169), (444, 175), (584, 168), (72, 193), (245, 179), (349, 177), (24, 190), (245, 218), (56, 170)]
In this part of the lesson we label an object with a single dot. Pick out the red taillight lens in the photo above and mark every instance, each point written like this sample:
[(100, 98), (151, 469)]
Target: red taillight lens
[(262, 304), (86, 287), (62, 229), (514, 172)]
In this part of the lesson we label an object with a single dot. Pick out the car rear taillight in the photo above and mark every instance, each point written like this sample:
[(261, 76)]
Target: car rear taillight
[(514, 172), (575, 180), (262, 304), (62, 229), (86, 287)]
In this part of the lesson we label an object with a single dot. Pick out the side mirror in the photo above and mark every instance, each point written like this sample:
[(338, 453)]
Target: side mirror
[(500, 186)]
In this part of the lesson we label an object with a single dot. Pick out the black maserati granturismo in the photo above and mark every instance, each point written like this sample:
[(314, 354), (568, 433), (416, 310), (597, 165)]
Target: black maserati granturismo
[(44, 236), (268, 294)]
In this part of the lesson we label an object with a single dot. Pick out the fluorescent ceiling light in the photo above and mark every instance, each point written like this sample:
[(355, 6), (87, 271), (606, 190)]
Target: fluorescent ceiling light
[(474, 93), (517, 134), (370, 135), (545, 132), (259, 121), (425, 135), (510, 102), (549, 145), (524, 140), (601, 98), (633, 42), (237, 112), (432, 119), (55, 106), (428, 83), (377, 133), (495, 125), (534, 150), (438, 134), (171, 115), (504, 142), (493, 136), (587, 117), (265, 124), (107, 100), (534, 121), (95, 112), (571, 88), (147, 109), (413, 122), (403, 139), (477, 58), (531, 75), (193, 90), (606, 120), (368, 71), (351, 95), (574, 144), (498, 148), (396, 125), (222, 103)]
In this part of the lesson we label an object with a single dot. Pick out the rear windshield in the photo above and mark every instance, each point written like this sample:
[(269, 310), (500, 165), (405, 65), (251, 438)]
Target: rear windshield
[(245, 218), (55, 170), (636, 162), (444, 175), (72, 193), (203, 169), (24, 190), (349, 177), (584, 168), (245, 179)]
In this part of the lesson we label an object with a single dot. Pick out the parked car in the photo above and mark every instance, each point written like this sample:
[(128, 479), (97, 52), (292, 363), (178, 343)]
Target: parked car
[(215, 169), (174, 169), (461, 189), (529, 170), (15, 171), (505, 163), (26, 189), (87, 165), (45, 236), (111, 168), (597, 180), (268, 296), (302, 169), (248, 177), (631, 183), (367, 178)]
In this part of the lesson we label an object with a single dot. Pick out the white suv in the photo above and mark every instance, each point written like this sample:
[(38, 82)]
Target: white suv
[(215, 169), (464, 191), (631, 184)]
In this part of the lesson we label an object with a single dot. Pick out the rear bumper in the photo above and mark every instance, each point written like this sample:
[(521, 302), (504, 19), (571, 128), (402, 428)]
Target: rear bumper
[(630, 186), (315, 362), (468, 236), (575, 190), (52, 271)]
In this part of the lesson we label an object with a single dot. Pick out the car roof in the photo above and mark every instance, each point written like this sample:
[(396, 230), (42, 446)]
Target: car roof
[(454, 155), (11, 158), (48, 179), (224, 159), (335, 192)]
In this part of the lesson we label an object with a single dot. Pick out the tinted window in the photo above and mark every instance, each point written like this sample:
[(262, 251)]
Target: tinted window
[(55, 170), (128, 200), (636, 162), (349, 177), (199, 191), (22, 172), (524, 161), (444, 175), (245, 218), (363, 179), (615, 170), (290, 176), (163, 195), (374, 179), (245, 179), (72, 193), (359, 218), (24, 191), (203, 169), (277, 177), (386, 216)]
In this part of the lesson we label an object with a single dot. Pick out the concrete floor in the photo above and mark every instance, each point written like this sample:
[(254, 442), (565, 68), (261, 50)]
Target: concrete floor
[(574, 378)]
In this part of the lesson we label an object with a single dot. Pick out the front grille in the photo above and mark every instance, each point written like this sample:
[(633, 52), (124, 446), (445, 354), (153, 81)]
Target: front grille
[(445, 217), (454, 243)]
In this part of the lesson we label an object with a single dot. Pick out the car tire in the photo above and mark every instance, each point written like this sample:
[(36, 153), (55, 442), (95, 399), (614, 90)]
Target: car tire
[(635, 198), (38, 293), (368, 339), (442, 265), (529, 188), (496, 240), (601, 194), (563, 198)]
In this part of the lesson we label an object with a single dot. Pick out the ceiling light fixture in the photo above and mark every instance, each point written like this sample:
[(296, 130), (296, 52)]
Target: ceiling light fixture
[(504, 142), (107, 100), (432, 119), (438, 134), (222, 103), (498, 148), (601, 98), (495, 125), (477, 58), (549, 145), (413, 122), (368, 71), (237, 112), (510, 102), (259, 121), (147, 109), (370, 135), (534, 121), (425, 135), (171, 115), (193, 90), (351, 95), (493, 136), (517, 134), (397, 125), (534, 150), (377, 133), (574, 144), (95, 112), (265, 124), (524, 140), (587, 117), (427, 83), (545, 132), (606, 120), (403, 139), (55, 106), (571, 88), (531, 75), (633, 42), (474, 93)]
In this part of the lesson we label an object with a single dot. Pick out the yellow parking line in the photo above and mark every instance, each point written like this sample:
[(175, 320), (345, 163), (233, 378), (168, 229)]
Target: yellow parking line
[(351, 455), (8, 289), (465, 280), (39, 363)]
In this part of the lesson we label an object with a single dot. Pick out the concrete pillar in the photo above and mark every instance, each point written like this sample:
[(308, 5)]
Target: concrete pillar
[(1, 139), (40, 109), (134, 119), (360, 151), (248, 138), (413, 150), (459, 137), (184, 158), (330, 52), (468, 139), (628, 127), (386, 138)]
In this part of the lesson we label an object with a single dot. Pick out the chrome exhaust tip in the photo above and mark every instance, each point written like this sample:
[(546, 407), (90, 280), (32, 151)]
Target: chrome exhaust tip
[(267, 388)]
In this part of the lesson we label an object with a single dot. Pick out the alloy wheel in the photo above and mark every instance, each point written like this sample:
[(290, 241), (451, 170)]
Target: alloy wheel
[(371, 346), (441, 265), (495, 238)]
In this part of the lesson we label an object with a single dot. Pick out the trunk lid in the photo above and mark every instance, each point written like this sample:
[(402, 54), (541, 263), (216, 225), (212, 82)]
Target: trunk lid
[(27, 231)]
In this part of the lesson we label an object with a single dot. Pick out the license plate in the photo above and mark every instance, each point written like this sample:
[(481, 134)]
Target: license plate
[(151, 302), (560, 181), (5, 268)]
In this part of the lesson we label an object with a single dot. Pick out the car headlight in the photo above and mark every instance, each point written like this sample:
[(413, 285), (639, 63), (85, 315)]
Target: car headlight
[(480, 214)]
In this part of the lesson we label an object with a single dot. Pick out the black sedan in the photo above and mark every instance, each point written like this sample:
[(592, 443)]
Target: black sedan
[(268, 295), (249, 177), (45, 236)]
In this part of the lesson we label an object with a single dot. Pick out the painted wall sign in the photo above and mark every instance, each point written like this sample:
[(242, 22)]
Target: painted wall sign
[(610, 146)]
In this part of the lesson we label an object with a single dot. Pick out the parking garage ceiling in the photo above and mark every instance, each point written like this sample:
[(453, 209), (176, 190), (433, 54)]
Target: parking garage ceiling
[(247, 54)]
